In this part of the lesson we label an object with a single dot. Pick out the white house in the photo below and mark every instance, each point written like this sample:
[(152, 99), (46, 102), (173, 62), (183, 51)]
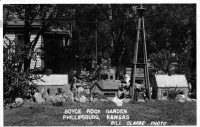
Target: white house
[(16, 32)]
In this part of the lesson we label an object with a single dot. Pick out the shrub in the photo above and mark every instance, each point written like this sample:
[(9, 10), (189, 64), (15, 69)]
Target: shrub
[(58, 103), (172, 94), (17, 78)]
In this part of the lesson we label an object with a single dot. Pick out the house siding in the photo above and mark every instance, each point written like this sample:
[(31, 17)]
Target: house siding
[(10, 36), (38, 45), (39, 60)]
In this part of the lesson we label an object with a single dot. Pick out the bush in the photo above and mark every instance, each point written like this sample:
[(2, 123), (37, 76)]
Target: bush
[(18, 82), (58, 103), (193, 95), (172, 94)]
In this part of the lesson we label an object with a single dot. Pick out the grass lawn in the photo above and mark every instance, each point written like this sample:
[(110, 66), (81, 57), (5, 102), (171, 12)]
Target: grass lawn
[(171, 112)]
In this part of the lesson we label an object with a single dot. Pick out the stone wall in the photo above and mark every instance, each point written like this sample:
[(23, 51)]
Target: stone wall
[(53, 89), (182, 89)]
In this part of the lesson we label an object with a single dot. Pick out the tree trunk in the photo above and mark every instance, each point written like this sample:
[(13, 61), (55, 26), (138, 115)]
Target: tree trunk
[(169, 71), (4, 29), (27, 62)]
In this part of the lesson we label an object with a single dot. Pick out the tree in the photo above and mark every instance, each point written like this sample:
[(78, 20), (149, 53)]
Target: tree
[(187, 65), (173, 27), (28, 13), (59, 59), (7, 16), (169, 26), (18, 77), (115, 27), (17, 83), (163, 60)]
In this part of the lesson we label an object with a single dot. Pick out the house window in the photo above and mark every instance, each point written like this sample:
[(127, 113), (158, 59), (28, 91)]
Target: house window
[(104, 77), (59, 90), (181, 92), (111, 77), (54, 52), (48, 91), (109, 94), (139, 81), (19, 39), (95, 93), (163, 93), (59, 39)]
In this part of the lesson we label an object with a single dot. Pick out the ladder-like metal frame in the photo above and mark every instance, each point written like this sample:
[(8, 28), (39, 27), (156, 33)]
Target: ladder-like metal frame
[(140, 28)]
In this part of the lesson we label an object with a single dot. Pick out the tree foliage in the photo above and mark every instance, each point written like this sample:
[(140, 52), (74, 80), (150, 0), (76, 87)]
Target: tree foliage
[(163, 60), (17, 82), (29, 13), (170, 28), (173, 28)]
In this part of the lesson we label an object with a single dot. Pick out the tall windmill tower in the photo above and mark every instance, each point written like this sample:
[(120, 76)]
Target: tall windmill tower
[(140, 38)]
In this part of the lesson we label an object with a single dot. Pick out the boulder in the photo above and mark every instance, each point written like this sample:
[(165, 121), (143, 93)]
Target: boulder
[(95, 100), (181, 101), (76, 99), (126, 100), (42, 91), (141, 100), (71, 96), (83, 99), (13, 105), (126, 92), (57, 98), (80, 90), (87, 91), (45, 95), (103, 99), (19, 101), (117, 101), (31, 100), (164, 98), (182, 98), (189, 100), (120, 93), (63, 99), (64, 96), (91, 98), (51, 99), (38, 98)]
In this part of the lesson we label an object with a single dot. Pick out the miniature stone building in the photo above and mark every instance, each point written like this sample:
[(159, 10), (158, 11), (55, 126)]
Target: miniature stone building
[(53, 84), (160, 83), (107, 88)]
